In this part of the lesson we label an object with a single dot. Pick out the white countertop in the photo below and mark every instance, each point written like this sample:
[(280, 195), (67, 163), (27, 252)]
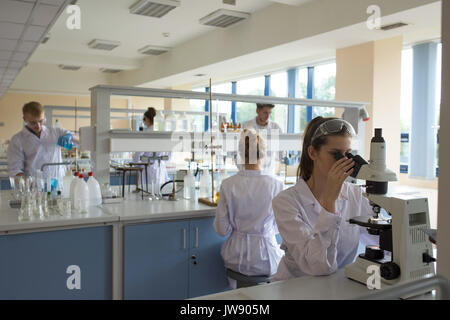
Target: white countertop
[(131, 209), (134, 208), (333, 287), (9, 218)]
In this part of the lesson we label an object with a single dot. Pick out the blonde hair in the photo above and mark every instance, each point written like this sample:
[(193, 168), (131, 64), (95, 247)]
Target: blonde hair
[(252, 147), (33, 108)]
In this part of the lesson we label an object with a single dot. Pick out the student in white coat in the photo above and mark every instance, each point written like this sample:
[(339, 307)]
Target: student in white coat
[(312, 216), (264, 126), (37, 144), (245, 211), (152, 169)]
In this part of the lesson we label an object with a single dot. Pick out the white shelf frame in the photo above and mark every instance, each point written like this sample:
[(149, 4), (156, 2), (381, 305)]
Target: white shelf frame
[(104, 137)]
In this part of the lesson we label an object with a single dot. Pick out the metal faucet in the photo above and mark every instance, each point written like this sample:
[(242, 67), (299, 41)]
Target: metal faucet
[(55, 164)]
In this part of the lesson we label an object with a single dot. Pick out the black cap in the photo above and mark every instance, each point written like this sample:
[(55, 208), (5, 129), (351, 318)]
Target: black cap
[(378, 135)]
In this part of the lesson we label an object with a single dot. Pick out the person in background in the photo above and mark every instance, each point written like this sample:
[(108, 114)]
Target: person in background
[(245, 211), (262, 124), (312, 215), (152, 169), (37, 144)]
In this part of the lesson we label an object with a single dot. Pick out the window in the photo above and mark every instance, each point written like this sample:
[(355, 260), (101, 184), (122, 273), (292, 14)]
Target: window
[(324, 87), (406, 106), (301, 93), (253, 86), (279, 88), (222, 106)]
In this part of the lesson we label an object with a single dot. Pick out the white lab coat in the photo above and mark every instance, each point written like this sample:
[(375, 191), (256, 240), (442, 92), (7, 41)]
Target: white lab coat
[(245, 210), (27, 152), (317, 242), (152, 169), (268, 163)]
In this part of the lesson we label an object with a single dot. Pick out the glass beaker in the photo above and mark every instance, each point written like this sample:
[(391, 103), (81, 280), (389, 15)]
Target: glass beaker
[(26, 210)]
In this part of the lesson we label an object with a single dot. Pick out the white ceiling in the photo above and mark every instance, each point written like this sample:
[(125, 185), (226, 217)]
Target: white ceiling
[(424, 23), (111, 20), (22, 26)]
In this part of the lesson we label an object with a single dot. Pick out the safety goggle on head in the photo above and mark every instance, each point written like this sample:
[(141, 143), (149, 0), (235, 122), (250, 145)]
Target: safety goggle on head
[(331, 127)]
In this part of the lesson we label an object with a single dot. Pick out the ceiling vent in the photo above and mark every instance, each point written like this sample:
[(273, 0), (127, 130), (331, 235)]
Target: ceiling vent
[(393, 26), (67, 67), (106, 70), (154, 8), (223, 18), (230, 2), (103, 44), (153, 50)]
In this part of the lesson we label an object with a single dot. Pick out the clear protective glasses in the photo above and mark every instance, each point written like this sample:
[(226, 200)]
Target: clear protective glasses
[(331, 127), (35, 123)]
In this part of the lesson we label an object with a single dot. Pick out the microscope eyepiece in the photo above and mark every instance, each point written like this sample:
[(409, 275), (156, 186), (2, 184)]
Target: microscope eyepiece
[(359, 161)]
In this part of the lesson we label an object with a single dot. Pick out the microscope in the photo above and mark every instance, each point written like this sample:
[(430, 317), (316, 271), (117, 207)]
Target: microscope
[(404, 252)]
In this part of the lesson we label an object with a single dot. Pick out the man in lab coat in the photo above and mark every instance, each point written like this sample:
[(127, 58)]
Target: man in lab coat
[(262, 124), (37, 144)]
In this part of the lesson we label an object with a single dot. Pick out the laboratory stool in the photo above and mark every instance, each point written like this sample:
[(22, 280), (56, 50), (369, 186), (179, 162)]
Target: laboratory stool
[(243, 281)]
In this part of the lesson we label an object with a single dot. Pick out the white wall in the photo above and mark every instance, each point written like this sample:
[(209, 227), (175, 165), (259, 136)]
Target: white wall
[(50, 79)]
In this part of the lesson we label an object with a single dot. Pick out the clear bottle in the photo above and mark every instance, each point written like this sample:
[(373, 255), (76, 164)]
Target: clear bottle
[(189, 186), (57, 125), (205, 184), (95, 194), (81, 195), (168, 124), (182, 122), (59, 203), (67, 181), (72, 188), (158, 122), (176, 122), (49, 202)]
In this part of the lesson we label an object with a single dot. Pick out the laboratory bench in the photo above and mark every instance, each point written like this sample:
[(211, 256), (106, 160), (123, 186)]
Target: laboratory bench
[(136, 249), (331, 287)]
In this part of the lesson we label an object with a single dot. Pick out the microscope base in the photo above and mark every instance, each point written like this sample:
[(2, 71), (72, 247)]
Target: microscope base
[(360, 272)]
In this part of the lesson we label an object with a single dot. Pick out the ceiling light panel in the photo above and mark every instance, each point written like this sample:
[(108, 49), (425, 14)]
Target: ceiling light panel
[(154, 8), (68, 67), (393, 26), (153, 50), (223, 18), (105, 70), (107, 45)]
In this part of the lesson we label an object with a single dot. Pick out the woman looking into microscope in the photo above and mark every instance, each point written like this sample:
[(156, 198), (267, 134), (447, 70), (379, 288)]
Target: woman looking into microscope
[(312, 215)]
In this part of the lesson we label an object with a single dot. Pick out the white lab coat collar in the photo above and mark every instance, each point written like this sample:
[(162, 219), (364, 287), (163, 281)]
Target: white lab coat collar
[(267, 126), (307, 197), (251, 173), (44, 132)]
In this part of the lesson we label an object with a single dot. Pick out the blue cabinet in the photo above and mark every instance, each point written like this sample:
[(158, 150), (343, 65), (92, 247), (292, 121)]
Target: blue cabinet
[(206, 267), (63, 264), (173, 260), (155, 258)]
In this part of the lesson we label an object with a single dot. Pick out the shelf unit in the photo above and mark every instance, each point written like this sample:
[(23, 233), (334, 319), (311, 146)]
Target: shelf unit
[(106, 140)]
